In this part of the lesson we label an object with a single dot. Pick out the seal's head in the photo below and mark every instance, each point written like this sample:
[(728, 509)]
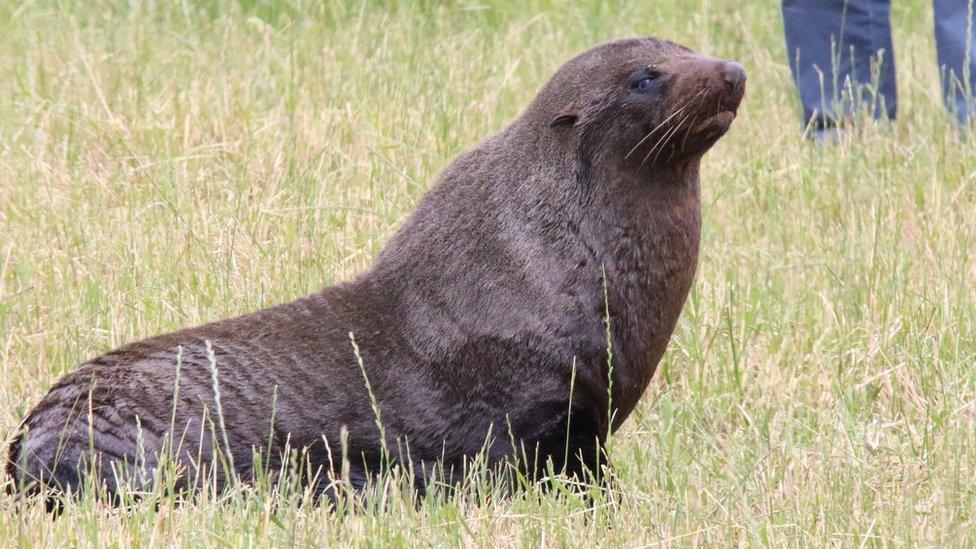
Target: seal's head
[(640, 102)]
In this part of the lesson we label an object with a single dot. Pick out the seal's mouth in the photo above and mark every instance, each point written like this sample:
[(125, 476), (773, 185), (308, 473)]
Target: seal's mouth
[(715, 124)]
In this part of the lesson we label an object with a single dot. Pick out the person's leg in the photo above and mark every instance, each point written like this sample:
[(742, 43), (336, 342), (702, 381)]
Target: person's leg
[(955, 41), (842, 58)]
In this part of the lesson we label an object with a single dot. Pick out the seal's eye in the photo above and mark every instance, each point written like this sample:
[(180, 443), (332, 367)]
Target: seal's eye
[(643, 80)]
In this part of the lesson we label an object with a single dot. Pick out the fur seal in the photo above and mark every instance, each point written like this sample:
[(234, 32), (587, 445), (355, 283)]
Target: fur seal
[(521, 310)]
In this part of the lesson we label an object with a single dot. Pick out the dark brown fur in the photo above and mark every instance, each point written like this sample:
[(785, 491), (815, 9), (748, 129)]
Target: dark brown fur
[(473, 318)]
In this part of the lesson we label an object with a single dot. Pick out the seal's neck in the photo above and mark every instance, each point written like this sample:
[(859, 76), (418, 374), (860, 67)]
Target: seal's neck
[(641, 222), (645, 231)]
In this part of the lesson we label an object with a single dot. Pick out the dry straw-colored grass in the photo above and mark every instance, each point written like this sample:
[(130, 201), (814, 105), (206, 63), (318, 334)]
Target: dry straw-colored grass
[(167, 163)]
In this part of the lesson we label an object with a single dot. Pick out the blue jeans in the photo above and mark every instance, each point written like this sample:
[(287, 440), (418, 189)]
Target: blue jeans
[(842, 58)]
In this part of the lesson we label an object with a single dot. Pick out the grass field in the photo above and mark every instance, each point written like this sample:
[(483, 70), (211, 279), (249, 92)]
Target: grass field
[(166, 163)]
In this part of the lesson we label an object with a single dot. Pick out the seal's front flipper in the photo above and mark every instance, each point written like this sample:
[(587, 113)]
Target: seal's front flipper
[(569, 443)]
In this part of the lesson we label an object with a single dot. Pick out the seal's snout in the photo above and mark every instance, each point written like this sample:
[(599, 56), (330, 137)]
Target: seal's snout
[(735, 74), (727, 83), (717, 83), (714, 89)]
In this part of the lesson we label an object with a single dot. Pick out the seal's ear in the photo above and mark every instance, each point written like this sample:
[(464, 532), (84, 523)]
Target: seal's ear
[(568, 117)]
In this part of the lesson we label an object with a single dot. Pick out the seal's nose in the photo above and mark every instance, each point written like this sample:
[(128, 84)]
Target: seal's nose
[(734, 73)]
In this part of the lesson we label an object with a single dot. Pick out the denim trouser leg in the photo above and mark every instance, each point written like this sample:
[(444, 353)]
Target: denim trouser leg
[(954, 40), (842, 58)]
